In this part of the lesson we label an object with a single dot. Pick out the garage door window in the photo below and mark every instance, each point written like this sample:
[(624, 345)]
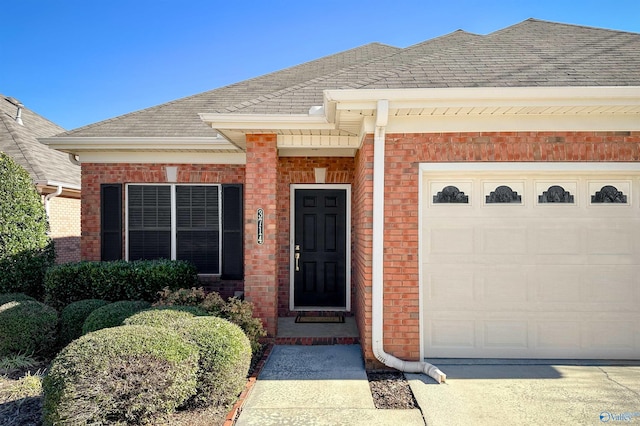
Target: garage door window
[(609, 194)]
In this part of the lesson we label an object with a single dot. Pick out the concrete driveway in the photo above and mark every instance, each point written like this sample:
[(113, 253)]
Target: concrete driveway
[(530, 393)]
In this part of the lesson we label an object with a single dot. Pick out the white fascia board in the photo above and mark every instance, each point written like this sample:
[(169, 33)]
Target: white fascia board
[(57, 183), (84, 144), (508, 123), (164, 157), (480, 96), (266, 121)]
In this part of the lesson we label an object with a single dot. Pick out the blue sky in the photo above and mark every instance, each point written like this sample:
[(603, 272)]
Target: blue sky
[(77, 62)]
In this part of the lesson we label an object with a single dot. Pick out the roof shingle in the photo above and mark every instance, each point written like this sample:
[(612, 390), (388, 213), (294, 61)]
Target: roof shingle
[(20, 142), (530, 53)]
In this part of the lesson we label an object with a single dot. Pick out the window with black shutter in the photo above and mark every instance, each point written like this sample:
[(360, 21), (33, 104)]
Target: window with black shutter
[(176, 222)]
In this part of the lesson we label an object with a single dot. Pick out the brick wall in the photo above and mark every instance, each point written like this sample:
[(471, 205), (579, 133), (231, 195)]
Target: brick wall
[(94, 174), (267, 179), (261, 263), (404, 152), (362, 245), (64, 225)]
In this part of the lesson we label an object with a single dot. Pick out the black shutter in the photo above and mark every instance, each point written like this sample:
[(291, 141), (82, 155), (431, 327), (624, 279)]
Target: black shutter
[(232, 232), (111, 221)]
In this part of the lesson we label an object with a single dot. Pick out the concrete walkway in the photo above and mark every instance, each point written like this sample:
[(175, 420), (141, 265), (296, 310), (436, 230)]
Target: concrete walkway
[(530, 393), (327, 385), (317, 385)]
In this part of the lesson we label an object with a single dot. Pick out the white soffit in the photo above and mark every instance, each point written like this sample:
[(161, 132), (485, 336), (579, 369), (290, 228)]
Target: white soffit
[(491, 109), (352, 112), (149, 150)]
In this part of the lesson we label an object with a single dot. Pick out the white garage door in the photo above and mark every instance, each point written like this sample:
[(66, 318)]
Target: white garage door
[(520, 262)]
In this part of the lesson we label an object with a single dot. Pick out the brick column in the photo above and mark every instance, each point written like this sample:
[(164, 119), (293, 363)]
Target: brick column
[(261, 268)]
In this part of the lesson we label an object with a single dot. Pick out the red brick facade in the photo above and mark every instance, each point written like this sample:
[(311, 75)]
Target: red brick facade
[(95, 174), (267, 180), (261, 260), (404, 152), (362, 245)]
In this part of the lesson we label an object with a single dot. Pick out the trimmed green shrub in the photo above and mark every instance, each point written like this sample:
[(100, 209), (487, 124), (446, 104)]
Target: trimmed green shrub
[(27, 327), (225, 355), (118, 280), (122, 375), (14, 297), (183, 296), (239, 312), (73, 317), (164, 316), (112, 315), (26, 251)]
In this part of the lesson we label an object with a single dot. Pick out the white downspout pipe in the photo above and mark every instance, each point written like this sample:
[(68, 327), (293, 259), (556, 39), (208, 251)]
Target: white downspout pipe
[(377, 310), (49, 197)]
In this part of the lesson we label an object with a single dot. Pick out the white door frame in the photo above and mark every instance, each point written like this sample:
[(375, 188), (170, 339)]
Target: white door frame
[(292, 204)]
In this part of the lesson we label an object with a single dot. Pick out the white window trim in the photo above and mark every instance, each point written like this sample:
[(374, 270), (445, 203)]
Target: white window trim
[(174, 247)]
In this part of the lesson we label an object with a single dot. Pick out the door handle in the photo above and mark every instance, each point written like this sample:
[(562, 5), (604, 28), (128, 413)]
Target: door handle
[(297, 257)]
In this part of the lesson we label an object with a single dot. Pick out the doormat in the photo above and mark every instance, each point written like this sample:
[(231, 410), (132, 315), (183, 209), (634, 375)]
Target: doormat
[(335, 319)]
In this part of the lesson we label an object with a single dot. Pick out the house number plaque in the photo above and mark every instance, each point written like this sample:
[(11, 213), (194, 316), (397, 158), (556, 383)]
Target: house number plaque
[(260, 224)]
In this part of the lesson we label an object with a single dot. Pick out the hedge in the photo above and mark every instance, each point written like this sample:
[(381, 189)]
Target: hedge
[(118, 280), (14, 297), (164, 316), (122, 375), (112, 315), (27, 327), (73, 316), (225, 356)]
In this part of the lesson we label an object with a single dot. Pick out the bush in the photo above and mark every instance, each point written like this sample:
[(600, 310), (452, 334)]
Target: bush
[(164, 316), (27, 327), (225, 355), (118, 280), (14, 297), (182, 296), (122, 375), (26, 251), (73, 317), (239, 312), (112, 315)]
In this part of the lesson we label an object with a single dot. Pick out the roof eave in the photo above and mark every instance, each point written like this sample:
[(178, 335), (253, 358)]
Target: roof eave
[(344, 99), (275, 122), (74, 145)]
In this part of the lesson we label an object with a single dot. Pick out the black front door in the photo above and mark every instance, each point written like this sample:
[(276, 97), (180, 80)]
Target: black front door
[(320, 245)]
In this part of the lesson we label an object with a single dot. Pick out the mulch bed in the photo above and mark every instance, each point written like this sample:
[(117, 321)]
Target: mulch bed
[(390, 390)]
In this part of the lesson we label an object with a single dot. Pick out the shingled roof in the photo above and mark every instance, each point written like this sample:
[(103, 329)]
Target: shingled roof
[(529, 54), (180, 117), (20, 142)]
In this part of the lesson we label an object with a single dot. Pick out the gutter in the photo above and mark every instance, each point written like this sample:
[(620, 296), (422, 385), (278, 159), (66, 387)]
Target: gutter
[(377, 308), (49, 197)]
